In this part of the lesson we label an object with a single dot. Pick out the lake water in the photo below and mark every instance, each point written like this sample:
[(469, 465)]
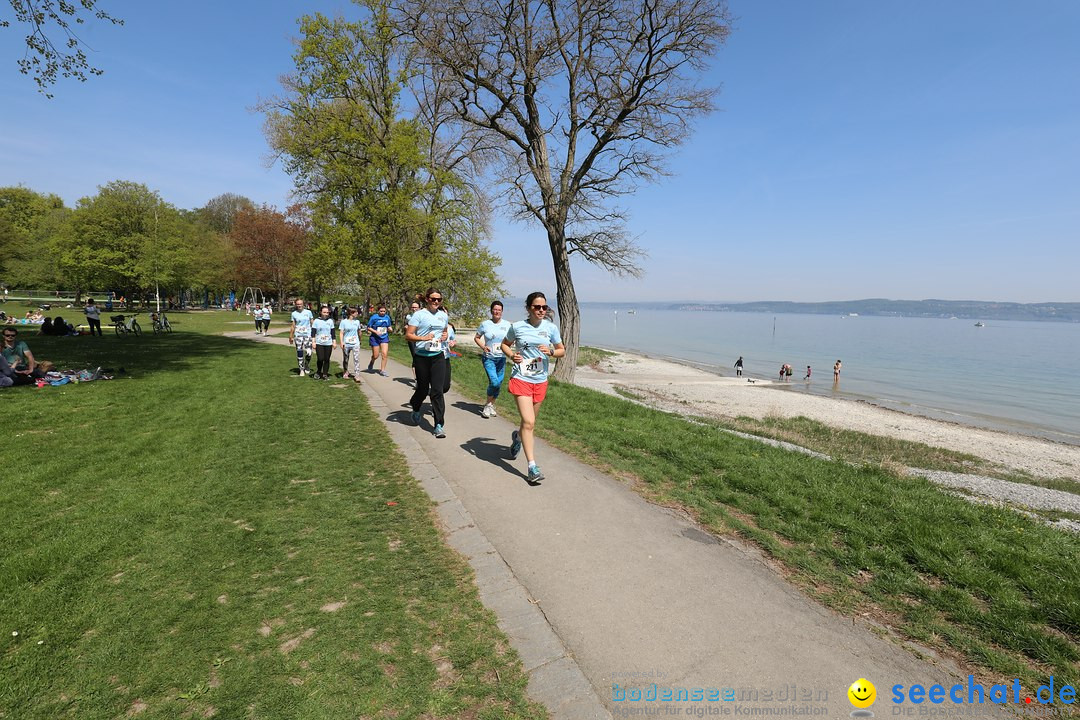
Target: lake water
[(1011, 375)]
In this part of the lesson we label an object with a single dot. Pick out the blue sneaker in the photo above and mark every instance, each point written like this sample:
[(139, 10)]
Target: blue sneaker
[(535, 476), (416, 417), (439, 432), (515, 445)]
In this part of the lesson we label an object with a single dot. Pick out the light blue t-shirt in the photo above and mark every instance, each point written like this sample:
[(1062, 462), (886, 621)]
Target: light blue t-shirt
[(323, 331), (493, 333), (380, 324), (302, 320), (426, 323), (527, 340), (350, 331)]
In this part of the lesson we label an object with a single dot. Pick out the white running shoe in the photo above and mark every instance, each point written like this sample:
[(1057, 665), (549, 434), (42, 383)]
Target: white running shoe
[(486, 412), (494, 412)]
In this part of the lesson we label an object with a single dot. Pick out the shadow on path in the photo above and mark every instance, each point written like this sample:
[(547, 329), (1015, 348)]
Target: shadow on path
[(494, 452)]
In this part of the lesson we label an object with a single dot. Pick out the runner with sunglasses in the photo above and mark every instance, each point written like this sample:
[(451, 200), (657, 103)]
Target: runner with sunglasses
[(428, 329), (529, 344)]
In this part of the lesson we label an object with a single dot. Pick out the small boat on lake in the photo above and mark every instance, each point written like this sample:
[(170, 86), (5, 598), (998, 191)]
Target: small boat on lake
[(980, 324)]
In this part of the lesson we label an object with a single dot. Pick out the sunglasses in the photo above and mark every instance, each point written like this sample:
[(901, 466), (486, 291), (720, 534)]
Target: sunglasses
[(434, 299), (545, 308)]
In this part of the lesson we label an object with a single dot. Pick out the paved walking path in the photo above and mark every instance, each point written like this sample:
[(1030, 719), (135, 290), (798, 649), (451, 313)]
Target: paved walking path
[(597, 588)]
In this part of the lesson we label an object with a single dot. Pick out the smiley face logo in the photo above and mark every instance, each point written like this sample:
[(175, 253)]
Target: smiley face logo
[(862, 693)]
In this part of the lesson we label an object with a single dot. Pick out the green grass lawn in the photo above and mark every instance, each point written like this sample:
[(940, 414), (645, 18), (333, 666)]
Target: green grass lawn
[(208, 534), (986, 583)]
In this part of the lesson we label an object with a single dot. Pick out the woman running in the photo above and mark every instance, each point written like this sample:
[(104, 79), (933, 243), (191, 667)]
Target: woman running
[(379, 328), (489, 337), (529, 343), (349, 337), (323, 330), (428, 329), (300, 335)]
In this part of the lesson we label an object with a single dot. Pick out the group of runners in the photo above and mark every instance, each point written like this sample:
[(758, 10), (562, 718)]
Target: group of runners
[(316, 335), (529, 345)]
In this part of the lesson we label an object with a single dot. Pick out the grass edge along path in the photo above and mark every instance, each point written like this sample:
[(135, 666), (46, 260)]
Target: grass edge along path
[(210, 535), (983, 584)]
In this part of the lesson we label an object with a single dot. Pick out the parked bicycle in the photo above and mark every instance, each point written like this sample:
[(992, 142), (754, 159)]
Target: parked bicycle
[(123, 324), (161, 323)]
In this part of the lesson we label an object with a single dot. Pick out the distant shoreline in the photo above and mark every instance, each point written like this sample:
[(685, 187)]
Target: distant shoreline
[(676, 386), (1067, 312)]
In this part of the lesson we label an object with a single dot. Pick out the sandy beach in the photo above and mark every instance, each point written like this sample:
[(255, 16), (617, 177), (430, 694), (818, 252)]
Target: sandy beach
[(682, 389)]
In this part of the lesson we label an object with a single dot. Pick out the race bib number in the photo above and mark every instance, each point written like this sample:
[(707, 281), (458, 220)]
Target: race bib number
[(352, 341), (380, 331), (531, 367), (435, 345), (322, 338), (494, 350)]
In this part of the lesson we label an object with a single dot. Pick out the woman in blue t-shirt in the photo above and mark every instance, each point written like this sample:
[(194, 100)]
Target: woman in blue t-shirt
[(300, 334), (428, 328), (322, 328), (379, 328), (489, 337), (529, 344), (349, 337)]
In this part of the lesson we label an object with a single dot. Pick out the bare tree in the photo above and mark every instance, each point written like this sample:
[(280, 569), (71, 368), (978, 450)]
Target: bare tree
[(578, 100)]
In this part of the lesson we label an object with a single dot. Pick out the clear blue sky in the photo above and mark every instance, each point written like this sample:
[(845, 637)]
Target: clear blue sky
[(862, 149)]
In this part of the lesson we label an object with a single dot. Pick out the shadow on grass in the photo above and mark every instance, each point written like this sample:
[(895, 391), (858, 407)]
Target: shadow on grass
[(140, 356)]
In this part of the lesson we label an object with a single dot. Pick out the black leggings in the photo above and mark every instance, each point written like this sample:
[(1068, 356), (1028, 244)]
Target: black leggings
[(430, 376), (94, 325), (322, 352)]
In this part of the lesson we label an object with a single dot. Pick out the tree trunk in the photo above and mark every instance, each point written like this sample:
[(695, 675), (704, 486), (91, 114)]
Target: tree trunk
[(569, 313)]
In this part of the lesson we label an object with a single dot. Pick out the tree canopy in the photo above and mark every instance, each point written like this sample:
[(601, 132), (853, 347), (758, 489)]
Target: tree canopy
[(53, 48), (390, 211), (577, 103)]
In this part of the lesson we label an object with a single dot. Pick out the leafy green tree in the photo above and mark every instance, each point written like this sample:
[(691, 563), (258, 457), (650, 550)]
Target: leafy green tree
[(49, 56), (387, 211), (125, 237), (30, 221)]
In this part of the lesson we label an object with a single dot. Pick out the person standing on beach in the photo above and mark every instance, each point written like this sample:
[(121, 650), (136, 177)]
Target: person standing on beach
[(300, 335), (808, 373), (428, 329), (738, 367), (379, 328), (529, 344), (489, 337), (836, 372)]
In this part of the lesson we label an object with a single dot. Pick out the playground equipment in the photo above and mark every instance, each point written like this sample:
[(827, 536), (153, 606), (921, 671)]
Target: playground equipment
[(252, 295)]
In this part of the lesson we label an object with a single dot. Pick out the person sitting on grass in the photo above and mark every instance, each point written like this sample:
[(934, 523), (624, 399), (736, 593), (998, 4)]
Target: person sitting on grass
[(25, 369), (46, 327), (61, 327)]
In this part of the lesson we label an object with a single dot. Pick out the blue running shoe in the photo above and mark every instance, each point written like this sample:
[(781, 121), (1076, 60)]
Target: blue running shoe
[(439, 432), (416, 418), (535, 476), (515, 445)]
